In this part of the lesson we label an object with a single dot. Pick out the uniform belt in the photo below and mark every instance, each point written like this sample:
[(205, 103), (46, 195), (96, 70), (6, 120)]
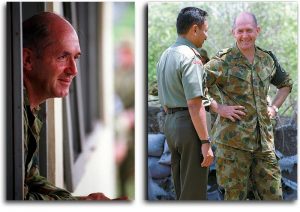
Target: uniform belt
[(176, 109)]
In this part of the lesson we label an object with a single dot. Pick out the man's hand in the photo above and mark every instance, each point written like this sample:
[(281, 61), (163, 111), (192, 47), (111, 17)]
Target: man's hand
[(231, 112), (95, 196), (100, 196), (208, 155), (271, 112)]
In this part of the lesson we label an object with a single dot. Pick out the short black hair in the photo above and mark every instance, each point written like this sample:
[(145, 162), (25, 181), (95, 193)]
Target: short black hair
[(189, 16)]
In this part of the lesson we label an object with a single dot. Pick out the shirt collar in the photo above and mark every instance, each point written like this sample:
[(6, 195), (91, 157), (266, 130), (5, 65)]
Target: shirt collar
[(25, 99), (236, 52), (27, 103), (181, 40)]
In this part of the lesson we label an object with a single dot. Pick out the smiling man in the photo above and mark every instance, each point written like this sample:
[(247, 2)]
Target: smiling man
[(244, 133), (49, 57), (50, 50)]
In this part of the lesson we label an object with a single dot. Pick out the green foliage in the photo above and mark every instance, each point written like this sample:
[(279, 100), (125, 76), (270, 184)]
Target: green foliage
[(278, 22), (123, 21)]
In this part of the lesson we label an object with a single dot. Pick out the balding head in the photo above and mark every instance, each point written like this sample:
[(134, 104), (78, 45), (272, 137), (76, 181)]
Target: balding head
[(245, 17), (245, 32), (38, 30), (50, 51)]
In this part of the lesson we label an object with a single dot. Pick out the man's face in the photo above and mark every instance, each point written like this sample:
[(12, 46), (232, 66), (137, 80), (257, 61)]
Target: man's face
[(54, 70), (245, 32), (201, 34)]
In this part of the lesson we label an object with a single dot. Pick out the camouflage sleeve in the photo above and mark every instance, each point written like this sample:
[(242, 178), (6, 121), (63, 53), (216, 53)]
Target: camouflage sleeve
[(206, 101), (215, 93), (212, 72), (37, 187), (41, 189)]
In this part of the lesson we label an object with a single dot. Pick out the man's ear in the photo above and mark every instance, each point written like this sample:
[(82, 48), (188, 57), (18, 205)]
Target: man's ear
[(194, 28), (258, 30), (27, 59)]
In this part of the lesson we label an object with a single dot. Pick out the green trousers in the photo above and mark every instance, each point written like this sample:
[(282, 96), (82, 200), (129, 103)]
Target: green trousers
[(190, 179), (236, 168)]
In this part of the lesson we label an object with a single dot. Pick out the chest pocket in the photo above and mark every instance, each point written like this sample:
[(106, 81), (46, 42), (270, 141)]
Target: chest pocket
[(265, 75), (236, 81), (239, 73)]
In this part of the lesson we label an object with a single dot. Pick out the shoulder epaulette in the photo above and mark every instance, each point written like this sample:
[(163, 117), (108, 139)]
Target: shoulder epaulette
[(273, 57), (196, 52), (271, 54), (264, 50), (223, 52)]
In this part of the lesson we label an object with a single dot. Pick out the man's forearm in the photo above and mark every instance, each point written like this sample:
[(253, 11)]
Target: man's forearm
[(198, 116), (214, 106), (281, 96), (39, 188)]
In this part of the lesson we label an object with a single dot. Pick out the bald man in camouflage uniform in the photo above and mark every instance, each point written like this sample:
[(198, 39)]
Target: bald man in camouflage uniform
[(244, 132), (50, 50)]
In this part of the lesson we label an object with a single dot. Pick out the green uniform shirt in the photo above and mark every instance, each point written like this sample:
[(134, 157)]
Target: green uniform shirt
[(180, 74), (37, 187), (242, 83)]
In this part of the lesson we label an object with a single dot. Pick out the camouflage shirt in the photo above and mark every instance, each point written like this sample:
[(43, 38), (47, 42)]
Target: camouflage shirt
[(240, 83), (36, 187)]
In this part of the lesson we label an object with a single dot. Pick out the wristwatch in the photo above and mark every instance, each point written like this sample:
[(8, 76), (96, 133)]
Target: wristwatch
[(208, 141), (275, 108)]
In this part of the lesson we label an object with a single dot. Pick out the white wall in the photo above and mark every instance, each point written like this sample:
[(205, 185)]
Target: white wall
[(100, 173)]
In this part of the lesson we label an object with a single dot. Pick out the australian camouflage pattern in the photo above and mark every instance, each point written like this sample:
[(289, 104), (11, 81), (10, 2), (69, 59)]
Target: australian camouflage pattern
[(241, 83), (245, 153), (238, 176), (37, 187)]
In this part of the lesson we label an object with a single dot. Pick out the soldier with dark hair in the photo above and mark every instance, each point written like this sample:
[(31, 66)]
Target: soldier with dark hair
[(244, 133), (180, 76), (50, 51)]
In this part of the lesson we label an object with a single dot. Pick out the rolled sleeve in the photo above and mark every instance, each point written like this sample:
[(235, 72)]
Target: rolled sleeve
[(213, 69), (281, 78)]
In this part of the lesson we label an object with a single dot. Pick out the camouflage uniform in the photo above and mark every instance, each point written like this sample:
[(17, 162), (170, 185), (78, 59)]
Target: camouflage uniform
[(246, 147), (36, 187), (180, 77)]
